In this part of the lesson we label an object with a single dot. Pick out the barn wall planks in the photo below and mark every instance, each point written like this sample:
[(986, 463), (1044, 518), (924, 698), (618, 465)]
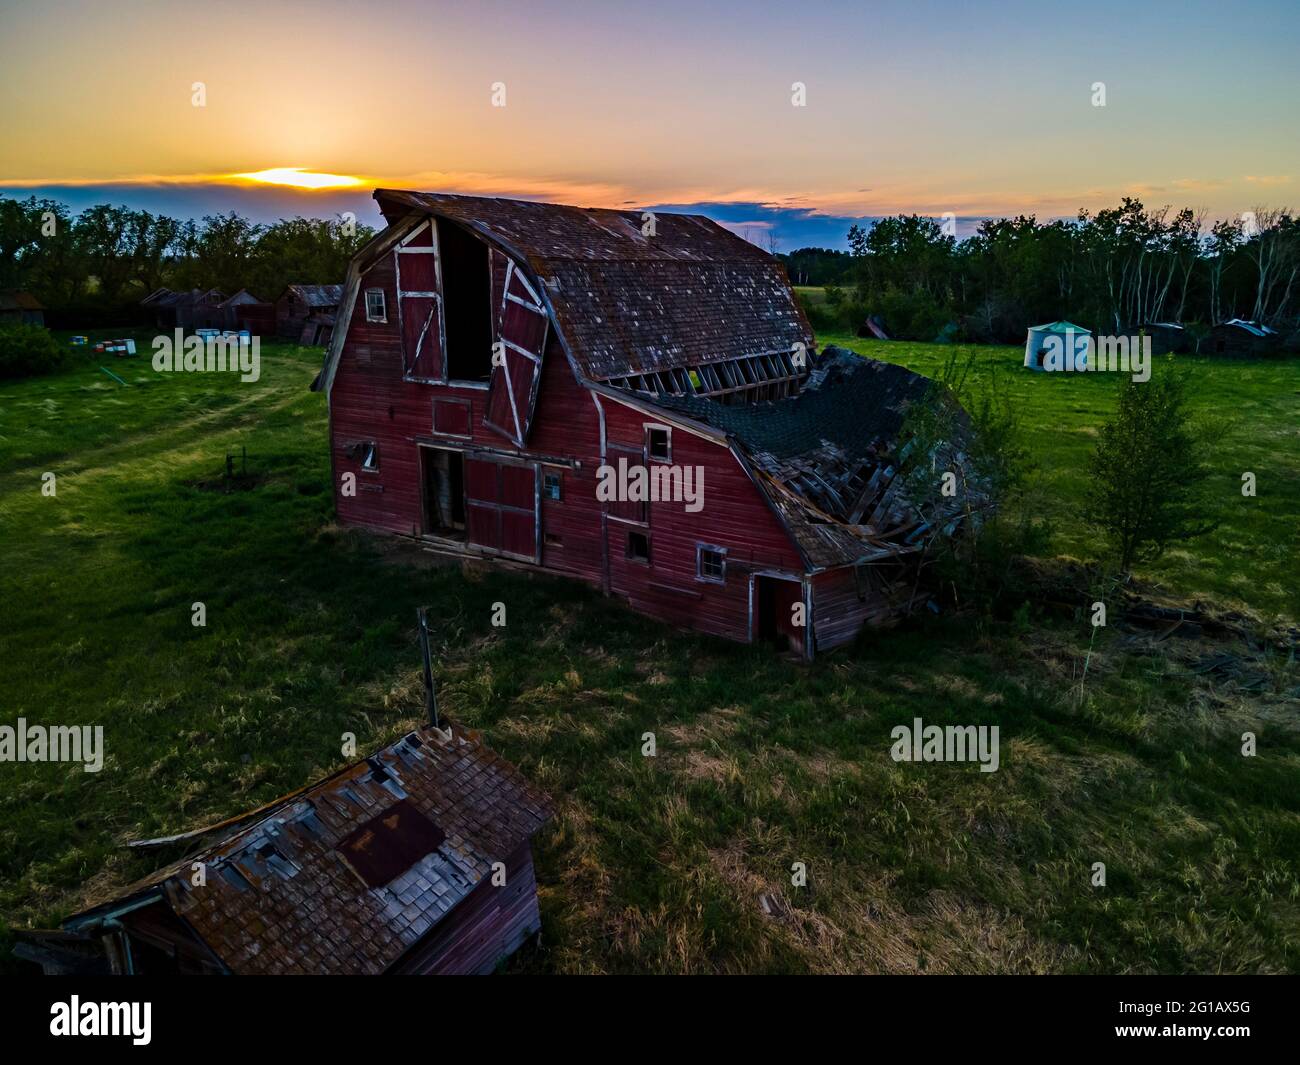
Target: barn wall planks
[(732, 516), (846, 599)]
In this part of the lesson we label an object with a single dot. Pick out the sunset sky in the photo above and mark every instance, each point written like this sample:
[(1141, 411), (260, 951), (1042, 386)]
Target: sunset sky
[(978, 109)]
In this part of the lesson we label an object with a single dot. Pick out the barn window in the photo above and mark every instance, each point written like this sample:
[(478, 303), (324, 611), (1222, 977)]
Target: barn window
[(638, 546), (552, 486), (370, 456), (659, 443), (376, 310), (711, 563)]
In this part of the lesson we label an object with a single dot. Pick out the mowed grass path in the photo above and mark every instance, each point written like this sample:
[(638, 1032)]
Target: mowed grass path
[(650, 864)]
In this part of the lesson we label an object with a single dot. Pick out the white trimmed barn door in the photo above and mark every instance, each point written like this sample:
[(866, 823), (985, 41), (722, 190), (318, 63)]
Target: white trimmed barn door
[(512, 392), (419, 305)]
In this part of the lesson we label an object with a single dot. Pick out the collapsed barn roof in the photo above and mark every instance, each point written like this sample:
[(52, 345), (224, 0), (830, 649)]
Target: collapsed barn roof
[(348, 874), (630, 303), (828, 458)]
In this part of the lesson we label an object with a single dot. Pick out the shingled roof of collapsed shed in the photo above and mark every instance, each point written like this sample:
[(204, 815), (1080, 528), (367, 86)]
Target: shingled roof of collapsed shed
[(304, 889)]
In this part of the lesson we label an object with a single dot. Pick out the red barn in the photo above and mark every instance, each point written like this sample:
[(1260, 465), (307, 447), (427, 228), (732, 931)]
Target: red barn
[(416, 860), (497, 361)]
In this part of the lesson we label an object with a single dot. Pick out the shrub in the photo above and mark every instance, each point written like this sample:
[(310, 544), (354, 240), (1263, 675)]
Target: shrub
[(912, 315), (1148, 472), (28, 351)]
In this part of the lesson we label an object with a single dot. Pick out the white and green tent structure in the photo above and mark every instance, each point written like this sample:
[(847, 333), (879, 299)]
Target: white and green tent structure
[(1057, 346)]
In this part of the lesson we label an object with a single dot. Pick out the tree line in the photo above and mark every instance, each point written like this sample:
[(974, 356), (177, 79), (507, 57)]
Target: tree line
[(1111, 271), (107, 257)]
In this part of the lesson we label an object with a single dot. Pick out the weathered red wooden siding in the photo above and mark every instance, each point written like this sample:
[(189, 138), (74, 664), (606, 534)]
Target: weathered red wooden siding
[(486, 927), (371, 401), (567, 425), (843, 601), (734, 516)]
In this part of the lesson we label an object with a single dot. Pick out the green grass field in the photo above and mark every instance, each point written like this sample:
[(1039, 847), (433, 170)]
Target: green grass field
[(651, 864), (1250, 562)]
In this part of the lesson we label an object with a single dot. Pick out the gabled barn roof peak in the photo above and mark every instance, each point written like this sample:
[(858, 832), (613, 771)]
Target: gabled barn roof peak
[(632, 294)]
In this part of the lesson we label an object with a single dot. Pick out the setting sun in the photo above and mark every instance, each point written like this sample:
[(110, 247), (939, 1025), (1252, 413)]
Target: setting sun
[(300, 178)]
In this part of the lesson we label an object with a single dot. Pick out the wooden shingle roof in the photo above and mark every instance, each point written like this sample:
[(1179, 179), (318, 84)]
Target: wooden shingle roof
[(626, 302)]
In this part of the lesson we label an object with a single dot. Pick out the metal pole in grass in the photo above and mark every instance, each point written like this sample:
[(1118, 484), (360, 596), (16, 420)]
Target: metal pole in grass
[(430, 698), (113, 375), (1087, 661)]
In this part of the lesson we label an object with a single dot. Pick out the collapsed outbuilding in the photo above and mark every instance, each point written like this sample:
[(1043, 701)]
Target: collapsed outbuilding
[(306, 313), (1167, 338), (1239, 338), (195, 309), (416, 860)]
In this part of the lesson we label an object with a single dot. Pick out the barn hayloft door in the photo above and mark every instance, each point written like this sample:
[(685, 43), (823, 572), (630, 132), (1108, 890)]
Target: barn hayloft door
[(419, 305), (517, 362)]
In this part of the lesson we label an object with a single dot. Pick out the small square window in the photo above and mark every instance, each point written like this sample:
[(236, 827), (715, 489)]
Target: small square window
[(376, 310), (370, 456), (552, 486), (659, 443), (711, 564), (638, 546)]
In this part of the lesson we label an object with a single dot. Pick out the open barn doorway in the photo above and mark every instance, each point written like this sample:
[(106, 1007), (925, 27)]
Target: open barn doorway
[(777, 603), (443, 475)]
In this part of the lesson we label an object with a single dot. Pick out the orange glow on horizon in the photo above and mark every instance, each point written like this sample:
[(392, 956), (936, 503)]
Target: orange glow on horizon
[(300, 178)]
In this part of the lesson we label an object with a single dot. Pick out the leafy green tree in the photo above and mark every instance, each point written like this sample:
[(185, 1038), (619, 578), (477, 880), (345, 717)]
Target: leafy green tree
[(304, 251), (153, 239), (908, 253), (25, 237), (216, 253), (104, 237), (1149, 470)]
